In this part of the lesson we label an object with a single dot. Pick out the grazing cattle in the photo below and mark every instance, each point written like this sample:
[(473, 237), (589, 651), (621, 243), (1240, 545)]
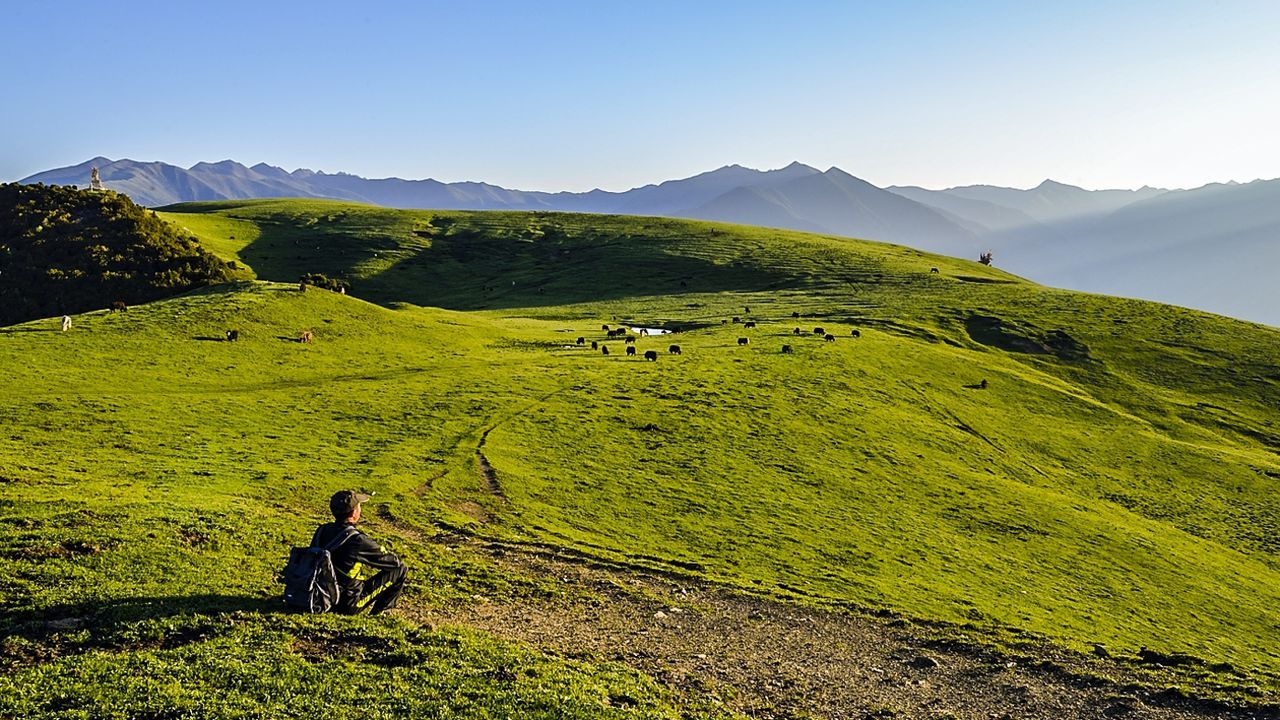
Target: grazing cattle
[(795, 314), (631, 340), (829, 337), (749, 324), (933, 271), (724, 322), (119, 306), (631, 350), (737, 319), (66, 323), (982, 385), (604, 349), (786, 349), (674, 349), (796, 331), (306, 337), (302, 287), (644, 332), (595, 345), (746, 310), (233, 335), (651, 355), (855, 333), (604, 327), (742, 341), (582, 341), (819, 331)]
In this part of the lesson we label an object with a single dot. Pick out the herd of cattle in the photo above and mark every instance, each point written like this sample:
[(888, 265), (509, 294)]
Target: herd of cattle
[(629, 339)]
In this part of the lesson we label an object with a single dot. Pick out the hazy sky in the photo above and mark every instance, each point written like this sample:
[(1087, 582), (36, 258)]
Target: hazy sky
[(575, 95)]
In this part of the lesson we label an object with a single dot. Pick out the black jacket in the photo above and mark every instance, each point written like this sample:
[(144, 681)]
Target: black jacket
[(357, 560)]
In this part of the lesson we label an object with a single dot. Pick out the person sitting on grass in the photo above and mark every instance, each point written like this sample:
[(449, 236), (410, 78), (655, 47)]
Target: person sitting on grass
[(368, 576)]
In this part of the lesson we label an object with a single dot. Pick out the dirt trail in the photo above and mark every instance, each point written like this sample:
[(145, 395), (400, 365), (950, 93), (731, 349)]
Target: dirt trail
[(774, 660)]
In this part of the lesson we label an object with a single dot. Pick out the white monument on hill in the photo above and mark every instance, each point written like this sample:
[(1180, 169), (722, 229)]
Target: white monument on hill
[(95, 182)]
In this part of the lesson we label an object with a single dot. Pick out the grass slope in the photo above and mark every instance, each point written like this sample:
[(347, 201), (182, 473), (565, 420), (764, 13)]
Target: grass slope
[(1114, 486)]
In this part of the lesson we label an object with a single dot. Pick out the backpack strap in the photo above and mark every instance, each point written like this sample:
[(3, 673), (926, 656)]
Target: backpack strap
[(347, 533)]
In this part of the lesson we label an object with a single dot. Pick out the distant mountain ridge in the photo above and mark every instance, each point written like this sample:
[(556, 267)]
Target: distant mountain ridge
[(1200, 247)]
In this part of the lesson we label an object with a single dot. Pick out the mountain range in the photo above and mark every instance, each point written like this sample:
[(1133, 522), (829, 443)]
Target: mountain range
[(1201, 248)]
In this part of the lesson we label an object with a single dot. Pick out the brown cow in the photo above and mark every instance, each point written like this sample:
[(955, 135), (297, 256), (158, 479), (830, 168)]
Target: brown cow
[(306, 337), (119, 306)]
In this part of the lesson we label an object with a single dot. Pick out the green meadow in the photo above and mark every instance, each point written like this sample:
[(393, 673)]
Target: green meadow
[(988, 453)]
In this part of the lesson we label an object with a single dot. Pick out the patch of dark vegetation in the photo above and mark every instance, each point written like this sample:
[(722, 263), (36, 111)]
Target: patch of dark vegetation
[(1021, 337), (984, 280), (324, 282), (67, 251)]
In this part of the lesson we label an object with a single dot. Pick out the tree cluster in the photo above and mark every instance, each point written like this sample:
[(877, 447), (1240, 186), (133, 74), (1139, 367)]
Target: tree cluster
[(66, 251)]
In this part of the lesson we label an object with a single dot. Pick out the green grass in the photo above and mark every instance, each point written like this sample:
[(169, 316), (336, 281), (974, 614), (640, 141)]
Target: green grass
[(1121, 494)]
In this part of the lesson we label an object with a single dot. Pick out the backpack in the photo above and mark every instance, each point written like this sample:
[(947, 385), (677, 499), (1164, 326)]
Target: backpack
[(310, 582)]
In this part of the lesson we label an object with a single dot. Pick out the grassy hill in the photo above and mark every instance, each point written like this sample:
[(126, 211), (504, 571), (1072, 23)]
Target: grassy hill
[(1112, 484)]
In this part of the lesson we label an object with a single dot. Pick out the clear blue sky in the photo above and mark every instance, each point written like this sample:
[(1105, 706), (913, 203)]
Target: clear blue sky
[(575, 95)]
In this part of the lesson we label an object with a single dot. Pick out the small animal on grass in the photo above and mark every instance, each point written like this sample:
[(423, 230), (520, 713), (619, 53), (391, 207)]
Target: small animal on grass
[(829, 337), (743, 341), (786, 349), (651, 355), (306, 337), (749, 324), (66, 323), (724, 322), (795, 314), (746, 310), (644, 332), (631, 350), (582, 341), (933, 271), (796, 331), (595, 345), (819, 331), (233, 335), (674, 349), (855, 333), (119, 306), (982, 385), (604, 327), (302, 287), (631, 340), (604, 349), (737, 319)]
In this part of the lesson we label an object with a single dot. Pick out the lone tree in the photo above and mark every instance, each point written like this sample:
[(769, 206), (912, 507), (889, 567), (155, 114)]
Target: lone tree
[(985, 258)]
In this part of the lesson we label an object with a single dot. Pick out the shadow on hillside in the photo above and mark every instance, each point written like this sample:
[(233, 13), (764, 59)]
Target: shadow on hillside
[(103, 617), (506, 260)]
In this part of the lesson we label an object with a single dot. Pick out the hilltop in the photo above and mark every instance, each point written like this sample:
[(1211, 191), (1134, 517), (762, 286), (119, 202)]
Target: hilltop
[(68, 251), (1065, 499)]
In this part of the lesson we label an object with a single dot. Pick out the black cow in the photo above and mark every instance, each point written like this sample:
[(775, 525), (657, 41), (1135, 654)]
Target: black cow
[(631, 340), (855, 333), (737, 319), (796, 331), (651, 355), (604, 349), (786, 349), (933, 271), (749, 324), (819, 331), (746, 310), (604, 327), (795, 314), (674, 349), (233, 335), (742, 341), (582, 341), (595, 345), (631, 350), (829, 337)]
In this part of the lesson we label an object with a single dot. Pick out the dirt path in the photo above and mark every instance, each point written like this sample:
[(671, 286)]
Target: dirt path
[(773, 660)]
